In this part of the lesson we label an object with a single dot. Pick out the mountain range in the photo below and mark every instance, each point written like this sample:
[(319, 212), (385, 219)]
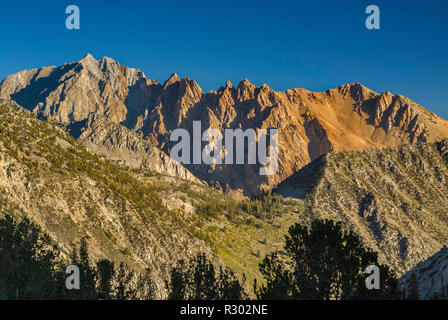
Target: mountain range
[(88, 95), (84, 152)]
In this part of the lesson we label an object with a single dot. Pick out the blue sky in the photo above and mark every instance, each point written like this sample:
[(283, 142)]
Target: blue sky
[(310, 44)]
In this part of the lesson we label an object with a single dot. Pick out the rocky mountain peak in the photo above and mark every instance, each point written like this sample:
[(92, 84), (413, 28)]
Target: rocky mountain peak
[(88, 57), (265, 87), (174, 78), (246, 90), (357, 91), (190, 89), (245, 83), (89, 62)]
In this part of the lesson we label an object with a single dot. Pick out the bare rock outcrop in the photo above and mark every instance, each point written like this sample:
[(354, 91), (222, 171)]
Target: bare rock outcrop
[(394, 198), (431, 275)]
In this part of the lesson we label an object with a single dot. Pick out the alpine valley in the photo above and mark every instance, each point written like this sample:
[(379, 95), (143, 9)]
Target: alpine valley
[(84, 152)]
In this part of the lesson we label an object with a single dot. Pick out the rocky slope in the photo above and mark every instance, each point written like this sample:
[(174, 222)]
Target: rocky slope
[(350, 117), (135, 215), (119, 144), (48, 177), (432, 277), (394, 198)]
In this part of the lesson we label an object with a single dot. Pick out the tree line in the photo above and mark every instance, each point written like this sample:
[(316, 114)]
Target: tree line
[(320, 261)]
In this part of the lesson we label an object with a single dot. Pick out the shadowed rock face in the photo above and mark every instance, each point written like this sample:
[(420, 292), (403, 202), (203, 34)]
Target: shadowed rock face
[(431, 274), (118, 143), (350, 117), (394, 198)]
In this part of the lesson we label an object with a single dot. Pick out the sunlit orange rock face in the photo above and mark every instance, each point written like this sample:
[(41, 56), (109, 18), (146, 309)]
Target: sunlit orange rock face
[(310, 124), (350, 117)]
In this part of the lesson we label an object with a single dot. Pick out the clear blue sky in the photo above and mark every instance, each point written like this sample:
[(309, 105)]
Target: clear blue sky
[(311, 44)]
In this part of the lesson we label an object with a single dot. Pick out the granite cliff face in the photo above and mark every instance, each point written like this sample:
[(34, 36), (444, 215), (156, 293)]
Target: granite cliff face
[(394, 198), (350, 117)]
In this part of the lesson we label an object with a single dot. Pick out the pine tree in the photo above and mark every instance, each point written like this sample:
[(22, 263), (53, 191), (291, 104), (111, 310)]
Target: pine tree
[(323, 262), (124, 278), (30, 267), (197, 279), (105, 273), (145, 287), (87, 272)]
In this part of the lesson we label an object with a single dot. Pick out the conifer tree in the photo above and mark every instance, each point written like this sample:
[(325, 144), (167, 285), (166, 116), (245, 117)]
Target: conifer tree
[(30, 267), (105, 273), (124, 278), (197, 279), (87, 272), (323, 262)]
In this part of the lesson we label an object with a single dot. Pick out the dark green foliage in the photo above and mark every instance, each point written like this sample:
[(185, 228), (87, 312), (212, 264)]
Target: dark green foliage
[(124, 276), (106, 273), (197, 279), (263, 206), (31, 268), (88, 273), (104, 281), (435, 296), (414, 291), (324, 263), (144, 287), (279, 281), (29, 263)]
